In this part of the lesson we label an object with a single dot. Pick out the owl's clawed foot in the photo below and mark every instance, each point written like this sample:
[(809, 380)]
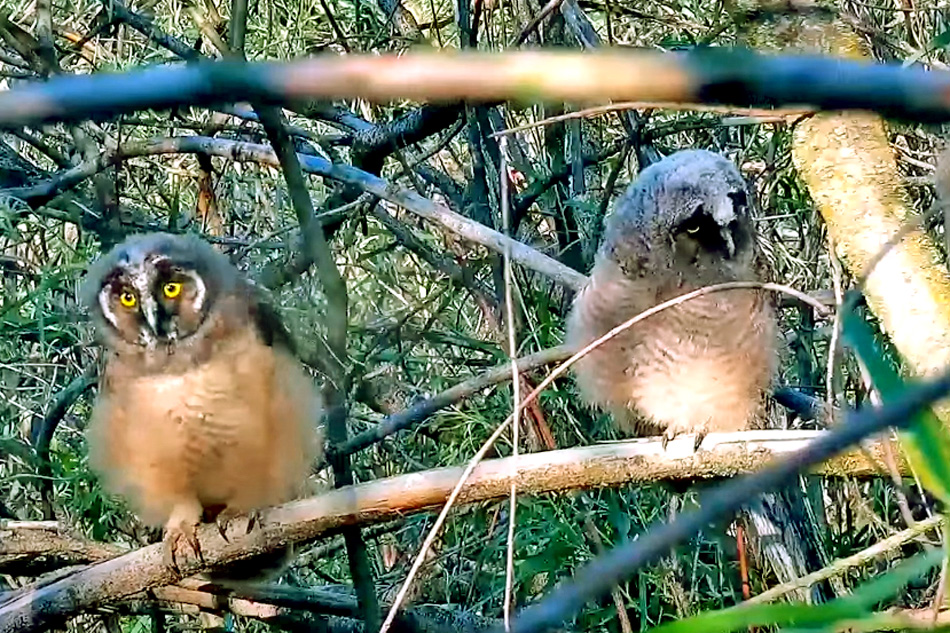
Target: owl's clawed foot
[(226, 517), (669, 435), (666, 437), (173, 535), (699, 440), (255, 519)]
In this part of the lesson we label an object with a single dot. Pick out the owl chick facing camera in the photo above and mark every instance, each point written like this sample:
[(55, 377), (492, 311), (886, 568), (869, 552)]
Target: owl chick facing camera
[(203, 411)]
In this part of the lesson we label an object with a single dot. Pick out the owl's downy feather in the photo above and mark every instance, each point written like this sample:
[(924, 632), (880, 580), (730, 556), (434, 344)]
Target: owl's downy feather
[(202, 406), (703, 365)]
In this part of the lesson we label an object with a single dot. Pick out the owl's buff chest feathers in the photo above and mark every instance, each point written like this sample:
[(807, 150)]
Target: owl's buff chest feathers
[(198, 396), (698, 367), (204, 430)]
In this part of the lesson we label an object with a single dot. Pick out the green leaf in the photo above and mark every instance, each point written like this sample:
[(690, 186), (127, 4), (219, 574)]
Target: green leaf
[(813, 617), (926, 442), (941, 40)]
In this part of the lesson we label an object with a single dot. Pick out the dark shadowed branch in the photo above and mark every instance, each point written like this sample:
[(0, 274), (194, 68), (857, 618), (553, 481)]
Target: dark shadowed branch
[(705, 75), (318, 251), (601, 575), (41, 433), (148, 28)]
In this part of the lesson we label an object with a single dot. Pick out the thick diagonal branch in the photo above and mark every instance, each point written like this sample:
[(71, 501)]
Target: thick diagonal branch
[(617, 463)]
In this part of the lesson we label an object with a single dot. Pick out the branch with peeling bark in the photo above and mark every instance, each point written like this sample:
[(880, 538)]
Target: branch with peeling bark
[(611, 464), (31, 547)]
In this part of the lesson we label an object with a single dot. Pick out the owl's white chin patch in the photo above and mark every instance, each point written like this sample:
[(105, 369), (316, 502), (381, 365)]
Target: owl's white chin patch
[(147, 339)]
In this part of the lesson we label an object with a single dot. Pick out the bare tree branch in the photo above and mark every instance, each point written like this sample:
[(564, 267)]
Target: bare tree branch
[(249, 152), (418, 412), (386, 499), (706, 75)]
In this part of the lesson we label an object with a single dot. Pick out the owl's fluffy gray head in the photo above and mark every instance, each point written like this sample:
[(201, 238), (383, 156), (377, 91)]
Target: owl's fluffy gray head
[(689, 210), (156, 288)]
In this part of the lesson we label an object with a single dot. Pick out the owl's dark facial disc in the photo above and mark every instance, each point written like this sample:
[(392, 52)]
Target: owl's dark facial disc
[(717, 229), (724, 236), (153, 301)]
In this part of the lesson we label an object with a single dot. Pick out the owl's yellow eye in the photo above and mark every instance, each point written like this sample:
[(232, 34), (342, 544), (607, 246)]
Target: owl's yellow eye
[(172, 289), (693, 230), (127, 299)]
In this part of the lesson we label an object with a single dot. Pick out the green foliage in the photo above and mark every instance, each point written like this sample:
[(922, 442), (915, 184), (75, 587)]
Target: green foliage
[(926, 440), (415, 332), (854, 608)]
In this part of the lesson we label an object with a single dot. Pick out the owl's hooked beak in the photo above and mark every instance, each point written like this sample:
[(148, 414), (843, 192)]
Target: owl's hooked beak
[(150, 312), (726, 234)]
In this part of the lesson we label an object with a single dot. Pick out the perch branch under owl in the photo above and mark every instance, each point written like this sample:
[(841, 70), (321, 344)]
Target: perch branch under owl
[(608, 464)]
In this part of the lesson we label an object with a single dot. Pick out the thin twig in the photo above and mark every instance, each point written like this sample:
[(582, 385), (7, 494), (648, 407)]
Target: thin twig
[(842, 566), (833, 351), (515, 382), (756, 113)]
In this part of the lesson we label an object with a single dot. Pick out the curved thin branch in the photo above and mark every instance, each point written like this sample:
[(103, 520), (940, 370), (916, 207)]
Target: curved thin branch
[(414, 414), (42, 431)]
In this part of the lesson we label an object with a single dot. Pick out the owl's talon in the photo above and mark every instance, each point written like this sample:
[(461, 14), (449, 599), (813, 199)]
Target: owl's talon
[(665, 440), (222, 525), (168, 557), (699, 440), (223, 522), (255, 518), (170, 544), (225, 517)]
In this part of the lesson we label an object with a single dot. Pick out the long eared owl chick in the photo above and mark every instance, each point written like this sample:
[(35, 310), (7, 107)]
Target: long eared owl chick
[(203, 411), (701, 366)]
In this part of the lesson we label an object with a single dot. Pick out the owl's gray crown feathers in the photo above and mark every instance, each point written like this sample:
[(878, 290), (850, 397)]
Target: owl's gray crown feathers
[(185, 249)]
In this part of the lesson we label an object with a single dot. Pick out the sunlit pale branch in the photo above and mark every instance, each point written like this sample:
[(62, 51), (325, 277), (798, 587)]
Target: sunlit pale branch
[(610, 464)]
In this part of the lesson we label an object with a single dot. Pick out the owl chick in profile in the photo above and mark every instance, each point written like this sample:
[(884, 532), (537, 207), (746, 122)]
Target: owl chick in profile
[(203, 412), (701, 366)]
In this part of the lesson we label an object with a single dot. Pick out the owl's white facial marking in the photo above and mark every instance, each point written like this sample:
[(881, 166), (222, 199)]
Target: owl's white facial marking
[(724, 211), (200, 289), (150, 312), (106, 306), (141, 277)]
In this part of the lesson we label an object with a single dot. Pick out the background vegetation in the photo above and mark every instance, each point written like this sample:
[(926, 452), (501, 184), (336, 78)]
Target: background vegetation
[(426, 309)]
